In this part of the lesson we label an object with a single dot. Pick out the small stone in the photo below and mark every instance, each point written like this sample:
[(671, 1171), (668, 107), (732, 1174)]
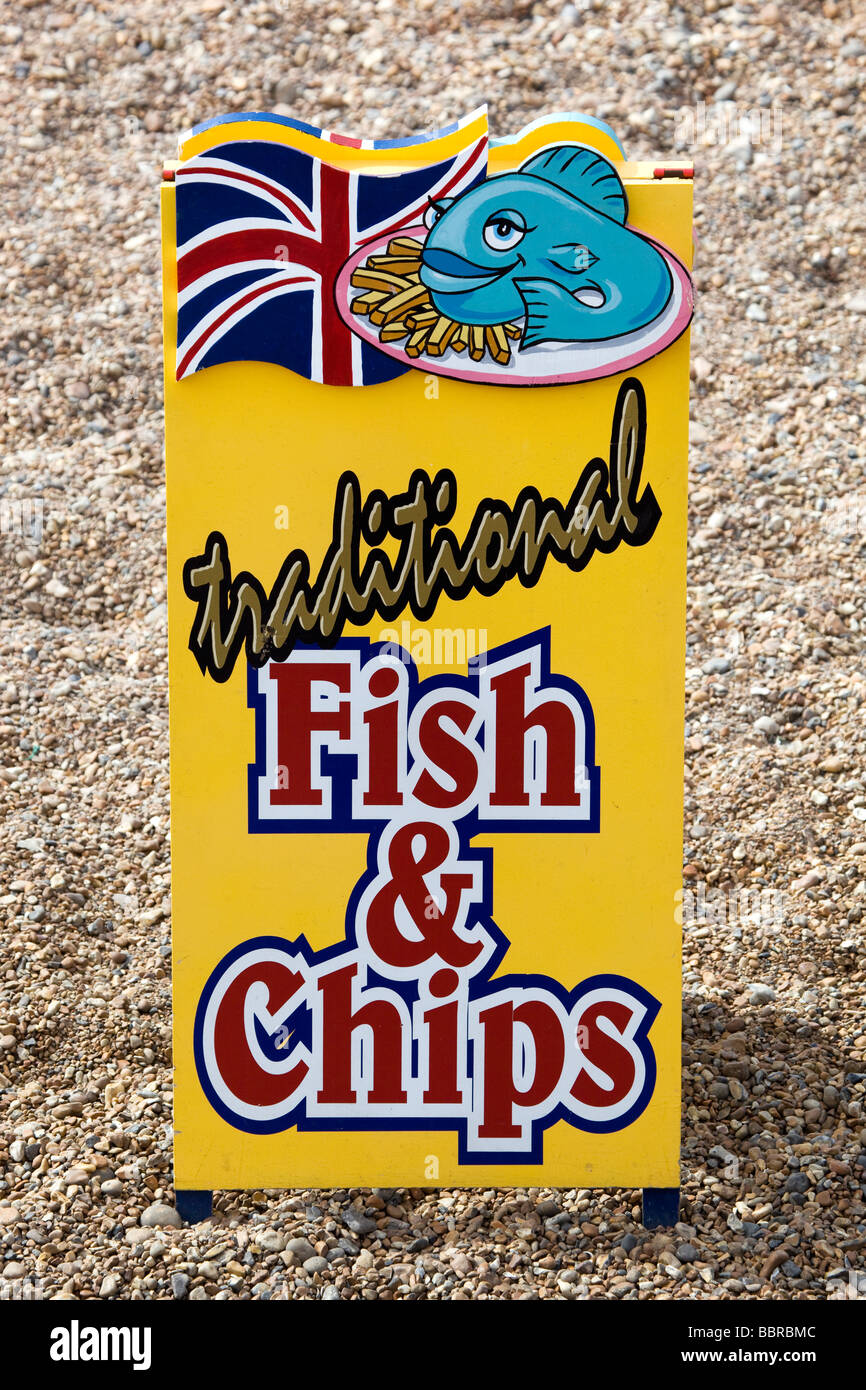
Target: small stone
[(773, 1262), (301, 1248), (57, 589), (136, 1235), (317, 1264), (766, 725), (179, 1284), (836, 764), (807, 880), (797, 1182), (760, 993), (358, 1223), (110, 1286), (686, 1253), (273, 1241), (160, 1214)]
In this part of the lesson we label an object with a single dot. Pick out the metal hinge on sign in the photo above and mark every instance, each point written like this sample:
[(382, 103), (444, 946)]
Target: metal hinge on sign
[(673, 173)]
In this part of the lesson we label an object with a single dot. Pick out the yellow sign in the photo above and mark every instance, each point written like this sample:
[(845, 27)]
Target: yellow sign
[(426, 433)]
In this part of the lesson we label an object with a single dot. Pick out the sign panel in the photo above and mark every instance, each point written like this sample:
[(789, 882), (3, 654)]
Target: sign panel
[(426, 432)]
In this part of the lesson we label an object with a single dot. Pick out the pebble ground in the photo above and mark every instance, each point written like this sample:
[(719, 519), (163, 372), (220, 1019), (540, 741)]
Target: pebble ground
[(768, 101)]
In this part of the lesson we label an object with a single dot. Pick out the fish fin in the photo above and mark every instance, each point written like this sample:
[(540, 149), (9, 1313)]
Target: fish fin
[(547, 305), (585, 174)]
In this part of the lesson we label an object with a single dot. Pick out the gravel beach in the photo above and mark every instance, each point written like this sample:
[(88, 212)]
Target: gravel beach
[(768, 101)]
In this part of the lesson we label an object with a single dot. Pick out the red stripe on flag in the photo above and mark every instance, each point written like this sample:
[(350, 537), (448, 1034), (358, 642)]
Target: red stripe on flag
[(234, 248), (294, 207), (238, 304), (410, 215), (336, 247)]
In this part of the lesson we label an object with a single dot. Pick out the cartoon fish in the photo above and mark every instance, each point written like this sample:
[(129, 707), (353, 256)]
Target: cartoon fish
[(550, 242)]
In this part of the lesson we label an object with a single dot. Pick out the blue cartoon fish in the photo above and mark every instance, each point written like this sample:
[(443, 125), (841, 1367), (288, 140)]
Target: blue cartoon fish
[(548, 242)]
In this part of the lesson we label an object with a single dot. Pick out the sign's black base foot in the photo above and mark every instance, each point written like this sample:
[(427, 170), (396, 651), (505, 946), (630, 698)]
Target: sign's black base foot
[(194, 1205), (661, 1206)]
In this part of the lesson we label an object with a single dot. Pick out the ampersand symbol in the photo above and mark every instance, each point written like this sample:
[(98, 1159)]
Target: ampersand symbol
[(407, 883)]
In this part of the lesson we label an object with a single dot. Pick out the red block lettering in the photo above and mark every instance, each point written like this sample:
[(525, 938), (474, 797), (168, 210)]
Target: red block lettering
[(606, 1053), (297, 721), (339, 1023), (235, 1063), (513, 723), (500, 1092), (449, 754)]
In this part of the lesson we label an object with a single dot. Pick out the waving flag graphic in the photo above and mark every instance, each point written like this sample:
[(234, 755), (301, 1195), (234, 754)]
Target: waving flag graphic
[(263, 229)]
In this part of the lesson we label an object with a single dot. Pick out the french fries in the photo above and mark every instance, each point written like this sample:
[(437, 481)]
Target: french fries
[(398, 306), (497, 344), (395, 300)]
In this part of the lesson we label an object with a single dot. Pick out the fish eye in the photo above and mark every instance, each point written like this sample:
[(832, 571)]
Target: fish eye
[(502, 231), (434, 211)]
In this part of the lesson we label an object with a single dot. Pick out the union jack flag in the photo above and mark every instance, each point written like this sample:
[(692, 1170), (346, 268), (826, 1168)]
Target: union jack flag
[(263, 230)]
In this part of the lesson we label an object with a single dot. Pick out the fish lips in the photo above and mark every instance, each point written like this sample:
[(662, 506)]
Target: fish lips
[(445, 272)]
